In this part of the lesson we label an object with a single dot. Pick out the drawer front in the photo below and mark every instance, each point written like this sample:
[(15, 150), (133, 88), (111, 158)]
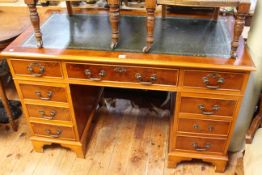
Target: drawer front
[(45, 93), (207, 106), (203, 126), (48, 112), (53, 131), (198, 144), (213, 80), (141, 75), (36, 68)]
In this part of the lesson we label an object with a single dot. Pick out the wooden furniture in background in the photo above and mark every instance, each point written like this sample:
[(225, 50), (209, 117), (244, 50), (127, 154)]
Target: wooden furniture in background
[(114, 7), (256, 123), (8, 32), (242, 7), (191, 10), (52, 82), (253, 153), (3, 97), (34, 17)]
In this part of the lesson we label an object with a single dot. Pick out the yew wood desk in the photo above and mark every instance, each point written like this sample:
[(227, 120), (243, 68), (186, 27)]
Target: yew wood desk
[(60, 89)]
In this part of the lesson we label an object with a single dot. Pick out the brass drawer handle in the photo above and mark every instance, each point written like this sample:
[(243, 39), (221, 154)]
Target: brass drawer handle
[(50, 117), (56, 135), (198, 148), (101, 74), (41, 68), (120, 69), (219, 80), (140, 79), (49, 95), (203, 110), (197, 127), (211, 128)]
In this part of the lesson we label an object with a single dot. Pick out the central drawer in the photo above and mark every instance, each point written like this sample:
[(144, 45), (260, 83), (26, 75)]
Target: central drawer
[(53, 131), (140, 75)]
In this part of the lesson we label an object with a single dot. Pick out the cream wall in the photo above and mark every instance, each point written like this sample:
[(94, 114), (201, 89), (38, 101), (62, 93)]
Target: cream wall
[(255, 81)]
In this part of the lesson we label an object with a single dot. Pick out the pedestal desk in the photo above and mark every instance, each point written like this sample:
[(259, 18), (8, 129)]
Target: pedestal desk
[(60, 89)]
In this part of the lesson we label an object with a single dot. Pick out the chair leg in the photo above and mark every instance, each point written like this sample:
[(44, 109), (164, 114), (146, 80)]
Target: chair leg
[(215, 14), (150, 29), (36, 23), (69, 8), (6, 106), (126, 2), (114, 19), (163, 11), (242, 12)]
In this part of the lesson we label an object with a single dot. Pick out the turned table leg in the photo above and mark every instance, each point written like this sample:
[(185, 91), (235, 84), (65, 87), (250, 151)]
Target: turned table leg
[(69, 8), (163, 11), (35, 22), (242, 12), (150, 24), (126, 2), (215, 13), (114, 12), (6, 106)]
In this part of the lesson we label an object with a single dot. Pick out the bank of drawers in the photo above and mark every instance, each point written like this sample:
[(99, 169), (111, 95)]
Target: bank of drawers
[(204, 123), (122, 74), (205, 116), (46, 104), (48, 110)]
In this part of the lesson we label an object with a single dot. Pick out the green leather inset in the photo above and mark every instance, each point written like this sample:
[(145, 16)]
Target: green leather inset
[(174, 35)]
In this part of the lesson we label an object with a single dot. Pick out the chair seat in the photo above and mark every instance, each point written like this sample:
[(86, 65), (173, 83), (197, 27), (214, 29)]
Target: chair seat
[(253, 155), (202, 3)]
